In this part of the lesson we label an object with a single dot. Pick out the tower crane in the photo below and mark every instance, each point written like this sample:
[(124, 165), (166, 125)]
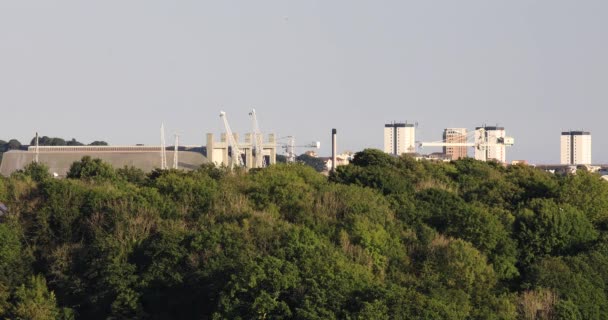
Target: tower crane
[(290, 147), (176, 152), (258, 151), (482, 141), (236, 152)]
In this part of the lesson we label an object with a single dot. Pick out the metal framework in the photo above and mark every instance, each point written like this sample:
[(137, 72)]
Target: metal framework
[(236, 152), (257, 137), (290, 147), (481, 142), (175, 152)]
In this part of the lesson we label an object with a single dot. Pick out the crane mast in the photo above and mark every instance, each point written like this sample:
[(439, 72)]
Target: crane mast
[(236, 152), (290, 147), (163, 150), (258, 152), (482, 143), (176, 152)]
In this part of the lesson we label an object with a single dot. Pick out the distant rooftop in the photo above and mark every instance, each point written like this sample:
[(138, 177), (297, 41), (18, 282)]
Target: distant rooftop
[(492, 128), (399, 125), (576, 133)]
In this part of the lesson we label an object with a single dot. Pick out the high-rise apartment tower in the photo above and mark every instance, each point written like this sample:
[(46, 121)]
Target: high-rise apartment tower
[(490, 144), (399, 138), (575, 147), (455, 135)]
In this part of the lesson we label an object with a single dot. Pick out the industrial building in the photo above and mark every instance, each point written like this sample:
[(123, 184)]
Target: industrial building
[(59, 159), (221, 152), (399, 138), (575, 148), (455, 136)]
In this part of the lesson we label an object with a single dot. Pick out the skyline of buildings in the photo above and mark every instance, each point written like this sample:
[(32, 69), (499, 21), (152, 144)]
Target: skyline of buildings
[(575, 147)]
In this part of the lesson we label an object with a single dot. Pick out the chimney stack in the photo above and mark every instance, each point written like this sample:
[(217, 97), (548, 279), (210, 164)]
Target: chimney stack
[(333, 149)]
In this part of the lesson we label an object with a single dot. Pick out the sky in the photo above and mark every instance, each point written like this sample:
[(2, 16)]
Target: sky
[(114, 70)]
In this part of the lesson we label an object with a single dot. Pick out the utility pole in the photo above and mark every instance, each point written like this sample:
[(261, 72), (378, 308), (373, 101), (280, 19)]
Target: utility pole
[(163, 148)]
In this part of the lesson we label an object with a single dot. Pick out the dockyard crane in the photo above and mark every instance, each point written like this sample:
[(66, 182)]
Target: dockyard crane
[(481, 143), (290, 147), (176, 152), (236, 152), (257, 140)]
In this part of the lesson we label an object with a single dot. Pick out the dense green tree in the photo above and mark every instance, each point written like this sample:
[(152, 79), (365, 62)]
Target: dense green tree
[(98, 143), (384, 238), (91, 169), (34, 301), (50, 141), (549, 228), (316, 163), (372, 157), (588, 193), (39, 172), (13, 144)]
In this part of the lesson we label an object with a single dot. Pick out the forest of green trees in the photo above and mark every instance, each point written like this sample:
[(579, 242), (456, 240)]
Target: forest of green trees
[(381, 238)]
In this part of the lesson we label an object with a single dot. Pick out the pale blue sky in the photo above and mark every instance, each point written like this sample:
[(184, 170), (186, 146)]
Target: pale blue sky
[(113, 70)]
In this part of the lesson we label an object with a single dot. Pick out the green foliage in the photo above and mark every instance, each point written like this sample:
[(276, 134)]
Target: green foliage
[(549, 228), (34, 301), (314, 162), (11, 255), (98, 143), (588, 193), (12, 144), (91, 169), (132, 175), (383, 238), (372, 157), (48, 141), (39, 172)]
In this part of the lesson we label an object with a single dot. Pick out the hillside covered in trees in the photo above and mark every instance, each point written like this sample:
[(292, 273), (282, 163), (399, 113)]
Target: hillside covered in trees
[(381, 238)]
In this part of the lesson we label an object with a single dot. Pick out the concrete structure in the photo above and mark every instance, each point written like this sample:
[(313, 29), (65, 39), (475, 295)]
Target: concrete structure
[(490, 143), (455, 135), (399, 138), (575, 147), (334, 149), (218, 151), (59, 159)]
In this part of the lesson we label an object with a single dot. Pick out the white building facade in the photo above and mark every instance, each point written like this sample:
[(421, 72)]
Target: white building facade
[(490, 144), (399, 138), (575, 147)]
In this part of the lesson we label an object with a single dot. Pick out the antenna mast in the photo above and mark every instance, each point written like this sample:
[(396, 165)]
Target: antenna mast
[(163, 148), (236, 152)]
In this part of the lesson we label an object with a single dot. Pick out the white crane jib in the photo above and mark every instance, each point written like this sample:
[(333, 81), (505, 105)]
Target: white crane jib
[(258, 139), (290, 147), (236, 152), (484, 140)]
